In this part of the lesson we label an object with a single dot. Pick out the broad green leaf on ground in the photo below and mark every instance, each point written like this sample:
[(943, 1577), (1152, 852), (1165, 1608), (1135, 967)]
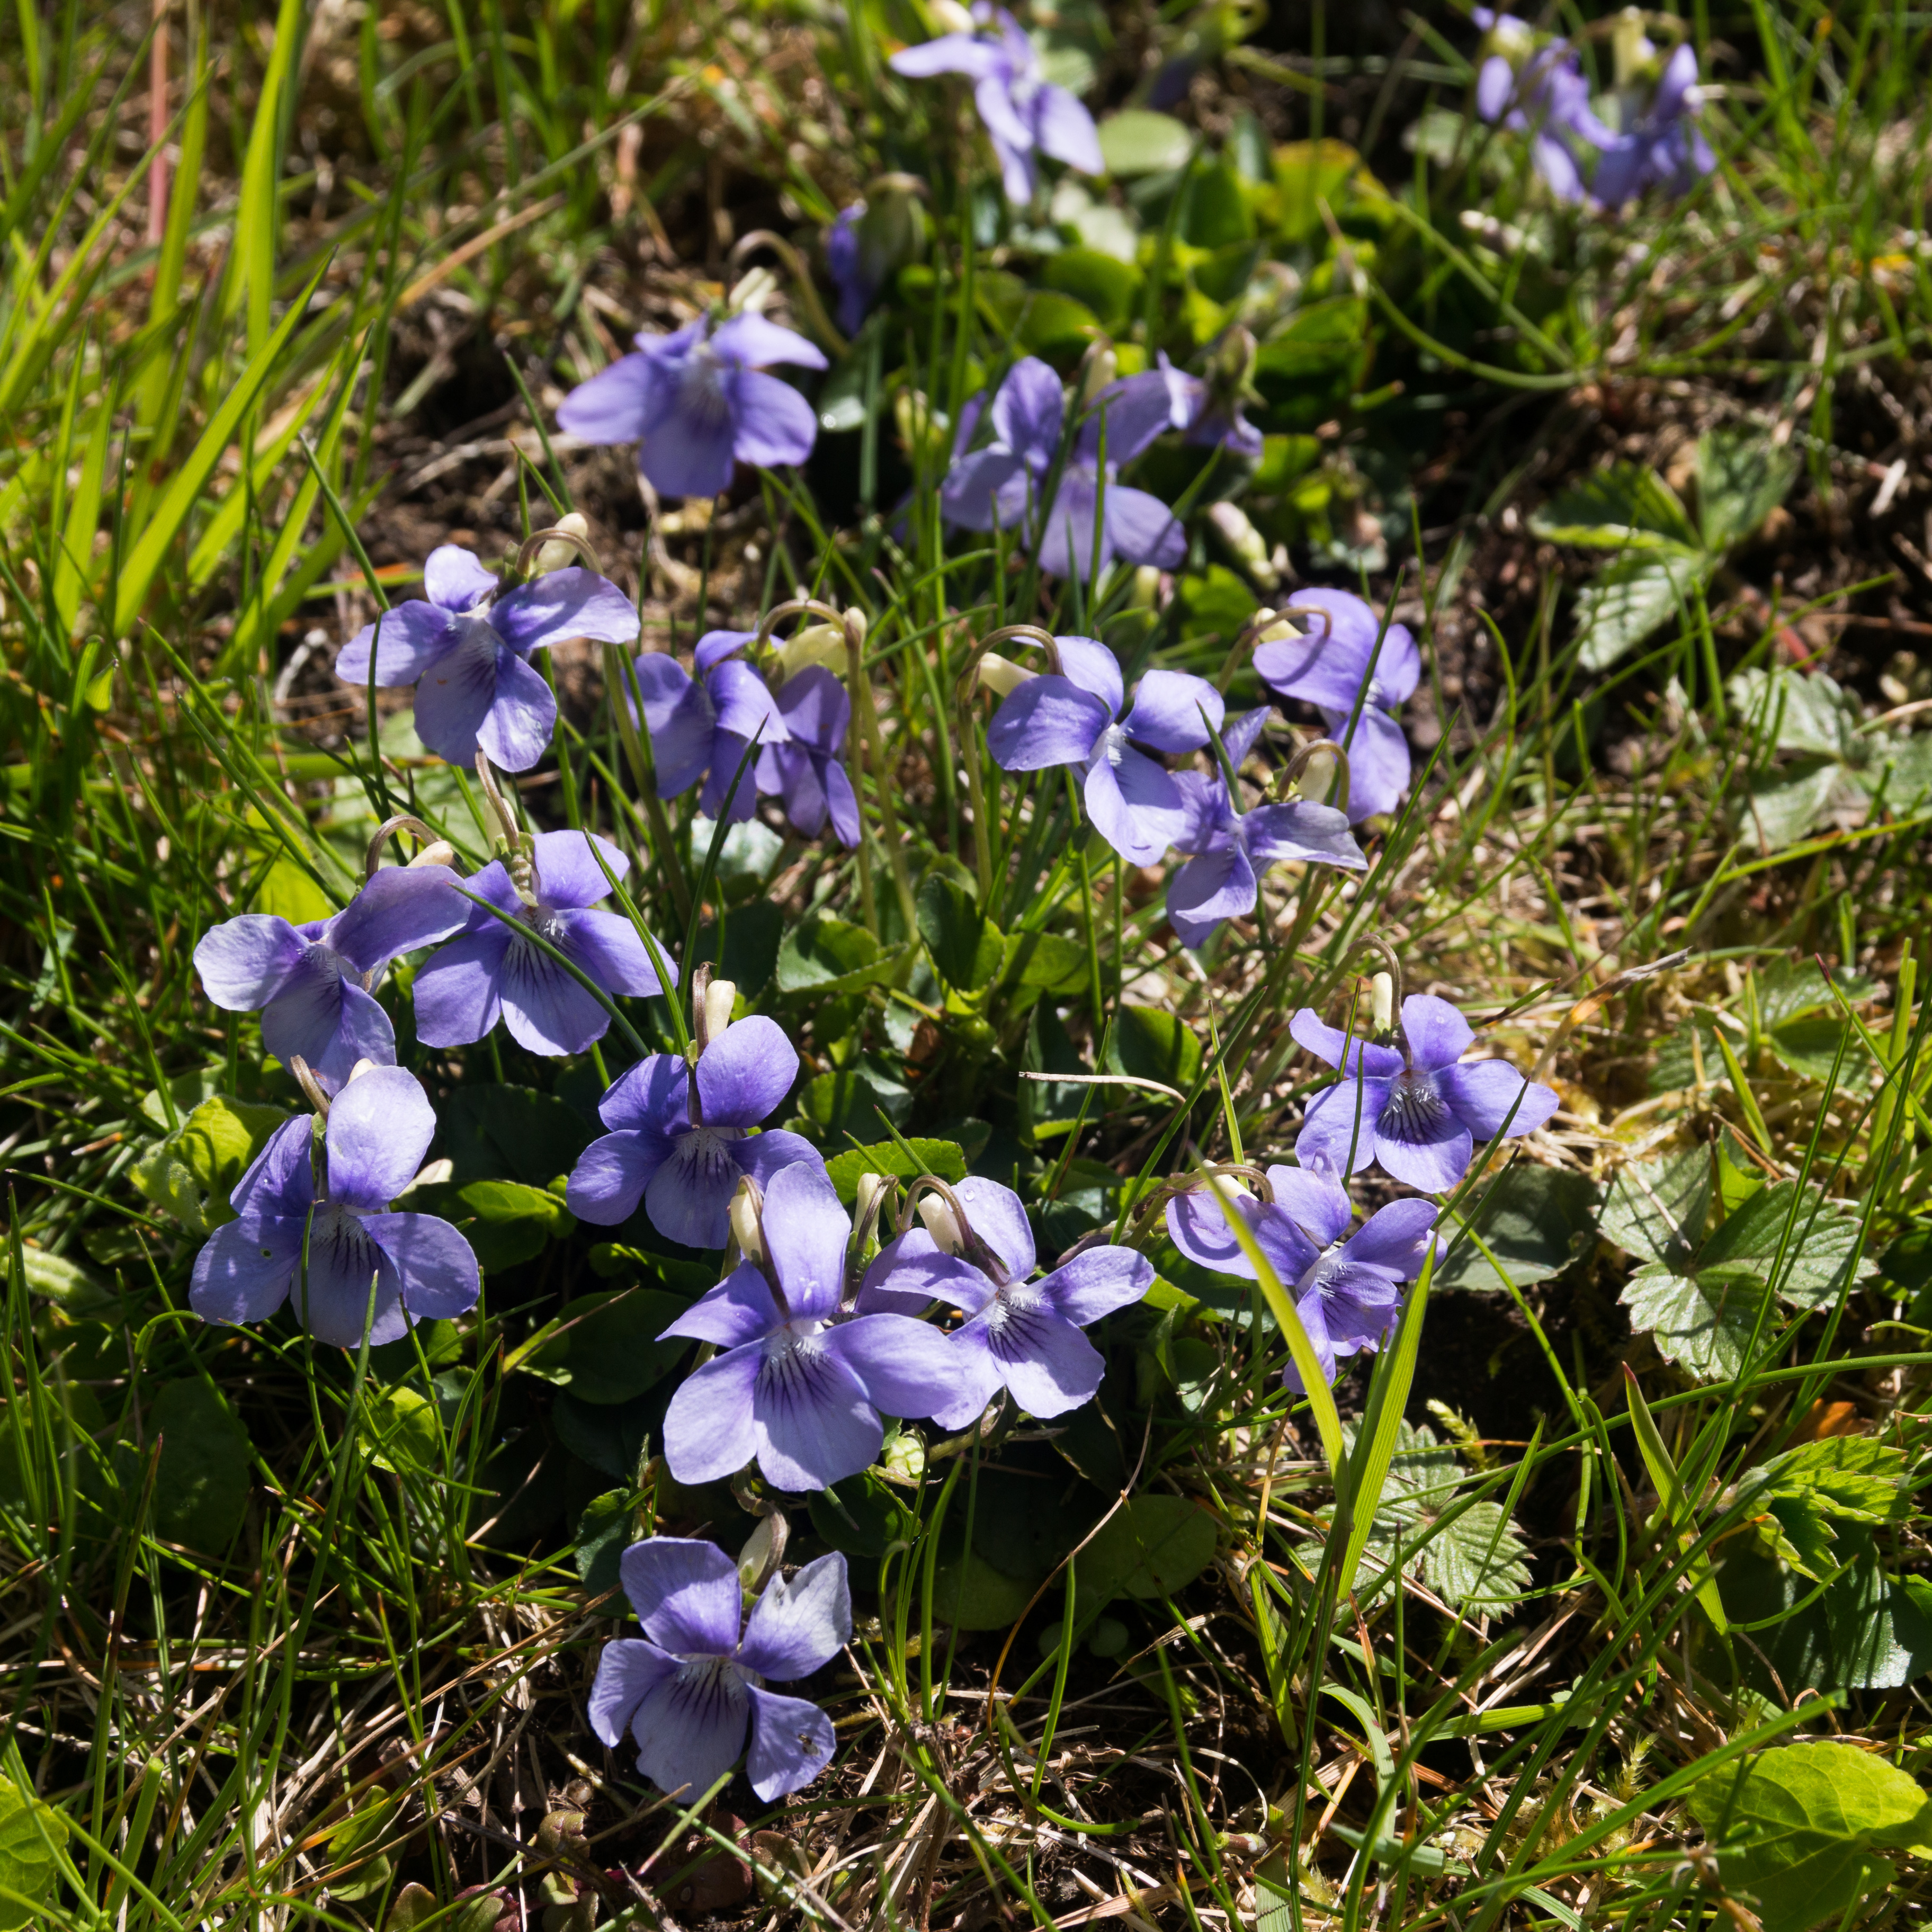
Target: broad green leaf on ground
[(1152, 1043), (1812, 1046), (825, 956), (604, 1348), (1656, 1209), (945, 1159), (201, 1486), (366, 1872), (192, 1171), (1137, 141), (968, 1591), (1789, 989), (79, 1291), (506, 1222), (1625, 506), (1705, 1327), (1149, 1548), (401, 1429), (1630, 597), (603, 1532), (864, 1515), (1046, 960), (967, 947), (1853, 1478), (1809, 715), (1795, 1828), (1026, 1518), (1534, 1220), (1742, 476), (488, 1133), (1867, 1631), (1817, 1237), (31, 1833), (608, 1435)]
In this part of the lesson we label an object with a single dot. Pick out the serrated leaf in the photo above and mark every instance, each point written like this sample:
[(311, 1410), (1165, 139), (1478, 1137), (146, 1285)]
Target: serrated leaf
[(823, 957), (1742, 476), (1657, 1209), (1787, 989), (1868, 1631), (1705, 1327), (1808, 716), (31, 1833), (1626, 506), (1852, 1478), (1137, 141), (1794, 1828), (193, 1171), (1151, 1043), (1779, 811), (1810, 1046), (944, 1158), (1822, 1238), (967, 947), (1629, 598), (201, 1486)]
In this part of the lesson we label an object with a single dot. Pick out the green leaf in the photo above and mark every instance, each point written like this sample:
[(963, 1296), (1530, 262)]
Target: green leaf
[(943, 1158), (31, 1833), (288, 893), (863, 1516), (1053, 325), (1307, 173), (823, 956), (1631, 597), (1810, 716), (1868, 1631), (1790, 988), (1656, 1209), (516, 1133), (1742, 476), (192, 1172), (1153, 1043), (1149, 1548), (1108, 285), (366, 1874), (1705, 1327), (1534, 1220), (201, 1486), (1822, 1238), (603, 1532), (1852, 1478), (1627, 506), (505, 1221), (1780, 811), (1796, 1826), (401, 1429), (968, 1591), (604, 1348), (967, 947), (1047, 961), (77, 1290), (609, 1436), (1137, 141)]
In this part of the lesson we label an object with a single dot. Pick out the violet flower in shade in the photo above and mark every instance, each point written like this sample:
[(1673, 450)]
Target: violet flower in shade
[(307, 981), (467, 651), (684, 1160), (691, 1687), (1347, 1288), (1000, 485), (805, 771), (492, 970), (1417, 1106), (1068, 718), (845, 263), (379, 1126), (1534, 86), (1192, 408), (795, 1386), (1329, 666), (1025, 114), (1661, 142), (1018, 1334), (1228, 850), (701, 727), (698, 402)]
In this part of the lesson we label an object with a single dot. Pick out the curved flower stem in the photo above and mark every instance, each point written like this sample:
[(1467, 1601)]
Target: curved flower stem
[(403, 821), (1302, 758), (804, 290)]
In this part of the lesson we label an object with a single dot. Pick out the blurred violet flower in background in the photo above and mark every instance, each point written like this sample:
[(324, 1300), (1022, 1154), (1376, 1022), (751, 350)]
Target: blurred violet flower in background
[(844, 261), (1328, 666), (1660, 141), (1531, 84), (467, 652), (306, 981), (379, 1128), (1000, 484), (1417, 1107), (493, 970), (805, 771), (688, 1689), (685, 1162), (1022, 1335), (1348, 1291), (1191, 408), (794, 1386), (1067, 718), (1228, 850), (697, 402), (1025, 115), (705, 724)]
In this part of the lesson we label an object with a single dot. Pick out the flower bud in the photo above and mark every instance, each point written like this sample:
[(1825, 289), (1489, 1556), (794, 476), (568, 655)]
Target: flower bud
[(1320, 776), (871, 1187), (904, 1457), (1102, 367), (816, 644), (1630, 47), (719, 998), (746, 1229), (1384, 986), (1145, 594), (362, 1067), (1276, 627), (558, 555), (437, 852), (1248, 546), (941, 1223), (950, 17), (1001, 676)]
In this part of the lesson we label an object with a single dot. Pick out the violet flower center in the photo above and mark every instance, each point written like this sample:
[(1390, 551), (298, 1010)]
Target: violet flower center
[(793, 1354), (705, 1152), (701, 399), (1415, 1105), (703, 1685)]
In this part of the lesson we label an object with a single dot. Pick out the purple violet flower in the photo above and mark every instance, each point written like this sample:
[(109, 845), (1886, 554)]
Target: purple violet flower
[(697, 402), (379, 1126), (1661, 141), (1229, 850), (1327, 667), (1536, 88), (1021, 1335), (307, 981), (700, 728), (805, 771), (796, 1386), (845, 263), (689, 1688), (467, 651), (1025, 115), (999, 485), (1067, 718), (492, 970), (1347, 1291), (1417, 1106), (682, 1136), (1192, 407)]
